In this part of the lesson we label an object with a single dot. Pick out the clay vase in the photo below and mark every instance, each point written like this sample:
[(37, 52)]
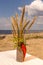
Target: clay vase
[(21, 53)]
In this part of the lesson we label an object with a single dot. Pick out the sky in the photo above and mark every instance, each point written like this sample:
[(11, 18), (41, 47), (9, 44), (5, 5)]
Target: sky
[(9, 8)]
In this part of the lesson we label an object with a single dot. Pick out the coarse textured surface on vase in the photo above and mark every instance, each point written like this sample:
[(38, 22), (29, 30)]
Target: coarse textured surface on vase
[(20, 56)]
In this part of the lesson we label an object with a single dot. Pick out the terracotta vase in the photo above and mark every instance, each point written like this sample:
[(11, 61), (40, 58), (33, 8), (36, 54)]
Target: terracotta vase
[(21, 54)]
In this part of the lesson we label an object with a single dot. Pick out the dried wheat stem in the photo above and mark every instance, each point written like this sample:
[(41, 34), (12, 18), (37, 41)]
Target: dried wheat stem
[(15, 22), (16, 17), (32, 22), (25, 25), (14, 31), (22, 17), (21, 21)]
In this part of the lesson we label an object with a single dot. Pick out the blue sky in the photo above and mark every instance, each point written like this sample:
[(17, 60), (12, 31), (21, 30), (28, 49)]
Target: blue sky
[(9, 8)]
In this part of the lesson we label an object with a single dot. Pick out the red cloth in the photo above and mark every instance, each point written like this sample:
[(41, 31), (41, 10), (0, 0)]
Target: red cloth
[(23, 47)]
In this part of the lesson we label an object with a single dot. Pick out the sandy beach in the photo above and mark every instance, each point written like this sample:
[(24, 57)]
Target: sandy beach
[(34, 41)]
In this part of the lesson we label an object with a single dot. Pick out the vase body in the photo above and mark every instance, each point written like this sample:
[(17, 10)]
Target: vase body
[(20, 55)]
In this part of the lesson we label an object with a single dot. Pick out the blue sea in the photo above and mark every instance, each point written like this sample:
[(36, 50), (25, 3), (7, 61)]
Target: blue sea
[(26, 31)]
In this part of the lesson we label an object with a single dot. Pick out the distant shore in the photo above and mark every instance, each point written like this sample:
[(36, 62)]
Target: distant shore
[(34, 41), (25, 31)]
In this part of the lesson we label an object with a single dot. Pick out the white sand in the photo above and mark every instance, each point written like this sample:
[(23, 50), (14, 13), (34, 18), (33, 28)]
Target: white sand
[(9, 58)]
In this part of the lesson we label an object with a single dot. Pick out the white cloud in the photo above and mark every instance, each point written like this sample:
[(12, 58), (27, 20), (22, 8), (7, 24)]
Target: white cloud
[(35, 8), (38, 25), (20, 8), (40, 20), (38, 0)]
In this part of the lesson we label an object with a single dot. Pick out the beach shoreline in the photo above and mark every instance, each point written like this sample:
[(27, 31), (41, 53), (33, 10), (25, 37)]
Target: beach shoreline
[(34, 47)]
